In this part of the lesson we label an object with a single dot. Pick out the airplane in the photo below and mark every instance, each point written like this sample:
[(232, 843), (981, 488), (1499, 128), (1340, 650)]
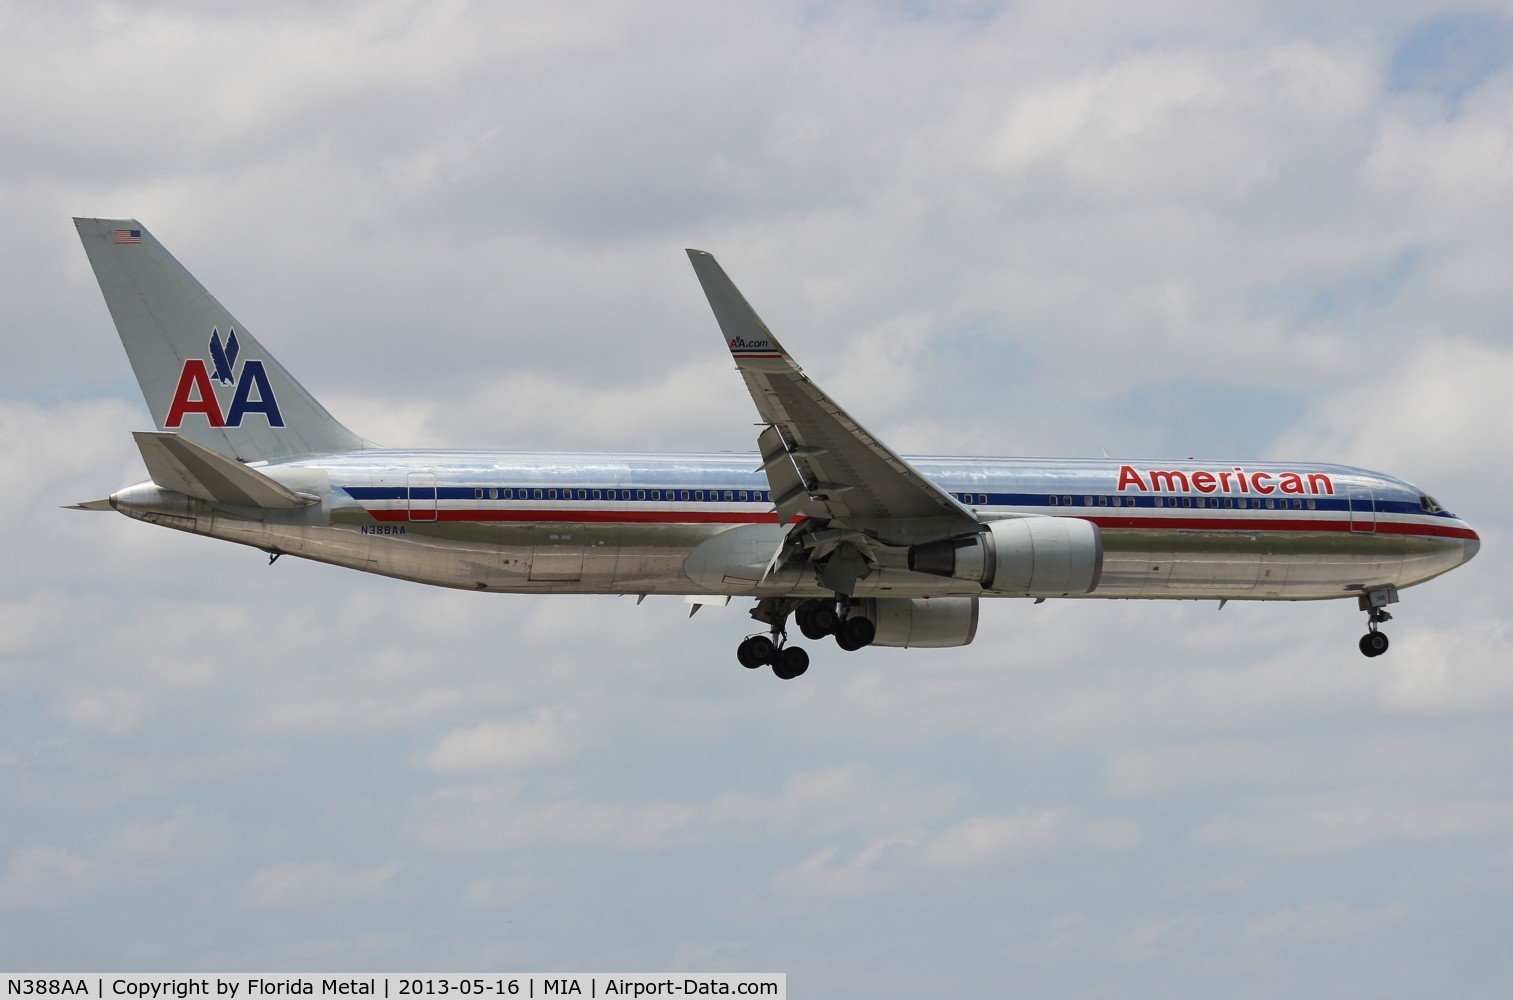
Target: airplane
[(825, 524)]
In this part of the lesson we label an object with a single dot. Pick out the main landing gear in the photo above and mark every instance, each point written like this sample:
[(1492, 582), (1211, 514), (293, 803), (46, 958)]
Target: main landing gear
[(816, 619), (1374, 603), (787, 662)]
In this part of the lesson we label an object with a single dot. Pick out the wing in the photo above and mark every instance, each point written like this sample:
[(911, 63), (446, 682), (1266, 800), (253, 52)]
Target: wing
[(819, 462)]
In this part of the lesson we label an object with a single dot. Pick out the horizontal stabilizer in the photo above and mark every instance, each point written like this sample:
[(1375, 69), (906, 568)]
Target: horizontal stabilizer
[(183, 466)]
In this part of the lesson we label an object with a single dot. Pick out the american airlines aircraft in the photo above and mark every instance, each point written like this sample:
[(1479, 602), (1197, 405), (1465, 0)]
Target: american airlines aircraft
[(824, 524)]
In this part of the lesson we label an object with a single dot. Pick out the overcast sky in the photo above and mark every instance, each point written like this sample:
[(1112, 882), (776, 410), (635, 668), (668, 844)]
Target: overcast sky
[(1239, 231)]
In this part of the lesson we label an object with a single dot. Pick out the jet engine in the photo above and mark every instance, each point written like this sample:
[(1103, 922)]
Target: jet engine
[(929, 623), (1025, 556)]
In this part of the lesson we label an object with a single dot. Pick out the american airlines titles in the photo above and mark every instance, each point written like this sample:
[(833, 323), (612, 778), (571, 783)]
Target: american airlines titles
[(1235, 480)]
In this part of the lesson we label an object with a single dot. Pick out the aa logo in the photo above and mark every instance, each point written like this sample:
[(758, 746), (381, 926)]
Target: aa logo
[(196, 394)]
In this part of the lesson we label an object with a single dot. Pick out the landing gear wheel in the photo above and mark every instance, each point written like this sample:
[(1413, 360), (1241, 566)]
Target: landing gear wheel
[(854, 633), (816, 619), (754, 651), (1374, 643), (790, 662)]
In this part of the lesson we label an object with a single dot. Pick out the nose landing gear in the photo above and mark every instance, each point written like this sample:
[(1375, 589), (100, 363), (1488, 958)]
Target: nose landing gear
[(1374, 603)]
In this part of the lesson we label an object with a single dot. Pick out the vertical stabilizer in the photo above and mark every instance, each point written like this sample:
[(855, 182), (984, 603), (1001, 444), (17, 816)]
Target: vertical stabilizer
[(204, 376)]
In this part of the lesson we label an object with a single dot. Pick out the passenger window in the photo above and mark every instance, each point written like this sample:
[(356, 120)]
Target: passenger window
[(1313, 505), (743, 496), (685, 495), (1087, 501), (1103, 501), (1052, 500), (598, 494), (478, 494), (640, 494), (1160, 501), (537, 494), (698, 494)]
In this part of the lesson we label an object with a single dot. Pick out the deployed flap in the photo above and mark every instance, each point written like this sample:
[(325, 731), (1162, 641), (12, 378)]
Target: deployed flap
[(841, 469), (179, 464), (203, 375)]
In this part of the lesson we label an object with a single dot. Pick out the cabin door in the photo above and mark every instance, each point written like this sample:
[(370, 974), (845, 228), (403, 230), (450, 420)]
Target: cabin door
[(422, 496), (1362, 510)]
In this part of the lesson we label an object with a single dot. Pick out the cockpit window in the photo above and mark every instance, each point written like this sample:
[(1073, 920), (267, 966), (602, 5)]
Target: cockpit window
[(1430, 505)]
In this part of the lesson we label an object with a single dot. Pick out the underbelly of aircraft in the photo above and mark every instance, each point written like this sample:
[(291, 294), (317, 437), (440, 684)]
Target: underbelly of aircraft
[(654, 559)]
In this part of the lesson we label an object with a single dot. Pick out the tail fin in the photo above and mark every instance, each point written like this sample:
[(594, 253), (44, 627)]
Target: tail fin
[(185, 349)]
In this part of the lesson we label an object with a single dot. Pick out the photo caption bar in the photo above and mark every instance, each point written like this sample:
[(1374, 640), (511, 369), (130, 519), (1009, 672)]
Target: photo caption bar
[(395, 986)]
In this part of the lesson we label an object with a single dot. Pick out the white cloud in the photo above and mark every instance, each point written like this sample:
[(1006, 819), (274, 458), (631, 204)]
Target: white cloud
[(46, 877), (547, 736), (1324, 922), (319, 883)]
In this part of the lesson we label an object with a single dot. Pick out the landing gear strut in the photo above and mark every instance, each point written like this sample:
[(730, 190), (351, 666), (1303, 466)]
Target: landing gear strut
[(1374, 603)]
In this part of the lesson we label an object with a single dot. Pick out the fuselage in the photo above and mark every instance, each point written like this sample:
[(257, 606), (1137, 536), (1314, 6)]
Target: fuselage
[(607, 523)]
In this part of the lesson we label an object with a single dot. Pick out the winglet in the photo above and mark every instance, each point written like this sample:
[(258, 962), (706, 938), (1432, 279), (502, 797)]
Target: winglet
[(750, 342), (820, 463)]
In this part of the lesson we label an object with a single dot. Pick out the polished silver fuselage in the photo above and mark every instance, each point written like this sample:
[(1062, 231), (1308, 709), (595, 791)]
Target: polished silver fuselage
[(702, 524)]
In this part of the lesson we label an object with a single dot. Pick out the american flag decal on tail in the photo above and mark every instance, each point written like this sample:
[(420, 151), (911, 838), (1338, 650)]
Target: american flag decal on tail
[(128, 236)]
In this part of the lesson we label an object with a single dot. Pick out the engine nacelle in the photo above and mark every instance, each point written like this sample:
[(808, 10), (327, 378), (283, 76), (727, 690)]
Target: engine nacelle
[(921, 622), (1026, 556)]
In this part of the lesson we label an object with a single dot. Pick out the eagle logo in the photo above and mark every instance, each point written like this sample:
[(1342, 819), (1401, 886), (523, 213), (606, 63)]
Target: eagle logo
[(223, 357)]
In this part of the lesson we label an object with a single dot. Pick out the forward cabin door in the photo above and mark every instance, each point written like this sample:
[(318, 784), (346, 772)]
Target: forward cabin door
[(1362, 510)]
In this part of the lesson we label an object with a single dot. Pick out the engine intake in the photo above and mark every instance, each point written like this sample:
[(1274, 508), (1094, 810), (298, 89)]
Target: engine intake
[(1026, 556)]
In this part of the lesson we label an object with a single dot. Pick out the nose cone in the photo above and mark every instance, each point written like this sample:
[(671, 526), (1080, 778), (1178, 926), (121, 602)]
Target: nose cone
[(1469, 546)]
